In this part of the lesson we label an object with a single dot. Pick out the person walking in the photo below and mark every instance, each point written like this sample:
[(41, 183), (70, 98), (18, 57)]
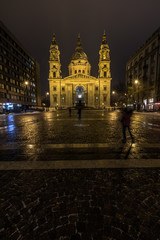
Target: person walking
[(79, 112), (70, 111), (126, 120)]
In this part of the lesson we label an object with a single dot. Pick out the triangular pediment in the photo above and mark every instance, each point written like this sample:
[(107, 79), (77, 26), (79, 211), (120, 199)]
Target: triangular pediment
[(79, 75)]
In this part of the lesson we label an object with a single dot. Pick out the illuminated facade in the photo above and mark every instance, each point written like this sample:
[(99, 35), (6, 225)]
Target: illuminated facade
[(143, 75), (79, 88), (19, 74)]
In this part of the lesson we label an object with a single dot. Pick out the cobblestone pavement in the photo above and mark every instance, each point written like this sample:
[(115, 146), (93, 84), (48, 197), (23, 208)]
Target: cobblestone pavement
[(86, 204), (79, 204), (26, 136)]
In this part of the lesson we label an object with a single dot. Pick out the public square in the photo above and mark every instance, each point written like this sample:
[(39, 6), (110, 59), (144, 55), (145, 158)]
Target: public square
[(67, 178)]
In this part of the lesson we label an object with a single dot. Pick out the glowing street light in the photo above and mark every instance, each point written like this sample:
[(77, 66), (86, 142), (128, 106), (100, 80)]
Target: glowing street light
[(26, 83), (113, 92), (47, 93), (25, 90), (137, 84)]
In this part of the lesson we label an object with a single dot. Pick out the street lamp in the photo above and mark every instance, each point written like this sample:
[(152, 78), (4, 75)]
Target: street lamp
[(47, 101), (26, 83), (114, 98), (137, 84)]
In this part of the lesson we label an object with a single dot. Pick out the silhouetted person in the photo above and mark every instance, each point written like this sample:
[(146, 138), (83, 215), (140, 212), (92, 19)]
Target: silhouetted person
[(70, 111), (79, 113), (126, 120)]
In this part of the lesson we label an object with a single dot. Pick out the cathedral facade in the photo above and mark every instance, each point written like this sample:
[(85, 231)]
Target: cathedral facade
[(79, 87)]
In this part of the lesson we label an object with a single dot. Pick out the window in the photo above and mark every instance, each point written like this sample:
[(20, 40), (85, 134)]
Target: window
[(83, 71), (1, 68), (151, 100), (105, 74), (96, 88), (75, 71), (105, 88), (55, 99), (79, 71), (54, 88), (1, 85), (63, 88), (104, 99), (54, 74)]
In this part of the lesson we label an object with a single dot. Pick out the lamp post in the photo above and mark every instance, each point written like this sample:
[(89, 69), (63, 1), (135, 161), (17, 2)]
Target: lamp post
[(25, 90), (137, 84), (47, 101), (114, 93)]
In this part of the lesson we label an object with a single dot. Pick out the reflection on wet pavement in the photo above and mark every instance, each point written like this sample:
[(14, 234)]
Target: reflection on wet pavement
[(30, 134)]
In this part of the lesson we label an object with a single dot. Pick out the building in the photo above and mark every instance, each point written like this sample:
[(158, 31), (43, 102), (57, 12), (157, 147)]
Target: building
[(143, 75), (19, 74), (79, 88)]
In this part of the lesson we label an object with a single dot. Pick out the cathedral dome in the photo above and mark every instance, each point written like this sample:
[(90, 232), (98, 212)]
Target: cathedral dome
[(79, 53)]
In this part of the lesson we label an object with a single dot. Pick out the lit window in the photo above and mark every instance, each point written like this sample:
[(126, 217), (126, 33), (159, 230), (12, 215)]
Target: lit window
[(151, 100), (1, 85)]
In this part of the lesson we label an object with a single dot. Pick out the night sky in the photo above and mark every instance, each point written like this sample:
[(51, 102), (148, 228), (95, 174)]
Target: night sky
[(128, 24)]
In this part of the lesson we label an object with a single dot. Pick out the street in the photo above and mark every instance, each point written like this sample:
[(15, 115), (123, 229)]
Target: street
[(66, 178)]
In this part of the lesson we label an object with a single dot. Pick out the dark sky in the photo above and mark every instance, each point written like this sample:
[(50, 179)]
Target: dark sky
[(128, 24)]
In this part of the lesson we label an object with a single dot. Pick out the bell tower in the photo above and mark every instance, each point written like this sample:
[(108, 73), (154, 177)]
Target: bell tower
[(54, 60), (104, 74), (104, 59), (54, 74)]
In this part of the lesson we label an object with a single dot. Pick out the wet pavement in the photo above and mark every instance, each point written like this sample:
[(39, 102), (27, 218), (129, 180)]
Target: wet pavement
[(54, 135), (73, 179)]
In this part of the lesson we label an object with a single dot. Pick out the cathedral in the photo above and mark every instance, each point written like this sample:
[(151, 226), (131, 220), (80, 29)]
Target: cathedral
[(79, 87)]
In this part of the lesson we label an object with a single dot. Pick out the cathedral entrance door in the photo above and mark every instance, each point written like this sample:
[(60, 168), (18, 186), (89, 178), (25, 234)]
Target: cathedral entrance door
[(80, 96)]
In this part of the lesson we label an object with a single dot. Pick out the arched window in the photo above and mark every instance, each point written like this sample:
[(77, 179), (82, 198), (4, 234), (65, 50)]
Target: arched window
[(54, 74), (105, 74)]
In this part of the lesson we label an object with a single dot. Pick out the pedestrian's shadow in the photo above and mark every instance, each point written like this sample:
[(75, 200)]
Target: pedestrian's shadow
[(128, 152)]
